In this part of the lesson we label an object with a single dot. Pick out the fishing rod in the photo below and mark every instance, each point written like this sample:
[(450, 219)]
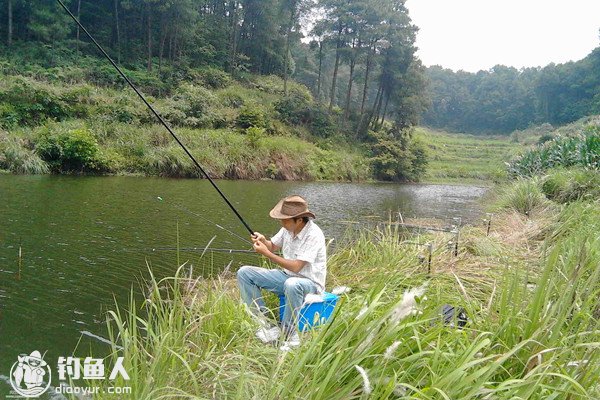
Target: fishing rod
[(179, 207), (158, 116)]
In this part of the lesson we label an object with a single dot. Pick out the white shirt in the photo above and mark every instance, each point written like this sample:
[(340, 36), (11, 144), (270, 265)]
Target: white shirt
[(309, 246)]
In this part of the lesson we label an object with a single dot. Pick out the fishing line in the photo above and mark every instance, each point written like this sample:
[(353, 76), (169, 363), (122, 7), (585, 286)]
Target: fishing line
[(157, 115), (207, 220), (207, 249)]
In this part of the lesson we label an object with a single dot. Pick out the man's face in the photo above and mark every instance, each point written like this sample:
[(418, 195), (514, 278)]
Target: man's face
[(289, 224)]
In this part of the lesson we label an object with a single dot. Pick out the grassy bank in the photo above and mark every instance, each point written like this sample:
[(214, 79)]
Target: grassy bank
[(530, 290), (455, 157), (119, 148)]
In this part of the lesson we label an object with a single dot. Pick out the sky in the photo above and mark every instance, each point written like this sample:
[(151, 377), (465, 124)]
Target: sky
[(477, 34)]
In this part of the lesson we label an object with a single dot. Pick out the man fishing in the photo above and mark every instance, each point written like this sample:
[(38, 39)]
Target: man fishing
[(303, 268)]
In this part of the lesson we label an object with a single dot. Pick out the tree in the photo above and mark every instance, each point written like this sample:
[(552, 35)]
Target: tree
[(48, 22), (10, 24)]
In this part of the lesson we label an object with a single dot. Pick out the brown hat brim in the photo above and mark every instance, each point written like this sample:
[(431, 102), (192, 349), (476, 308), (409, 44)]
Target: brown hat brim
[(277, 214)]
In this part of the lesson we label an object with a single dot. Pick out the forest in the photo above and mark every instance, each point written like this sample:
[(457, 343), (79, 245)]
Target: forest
[(505, 99)]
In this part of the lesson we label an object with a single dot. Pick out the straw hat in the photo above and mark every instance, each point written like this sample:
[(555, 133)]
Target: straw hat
[(291, 207)]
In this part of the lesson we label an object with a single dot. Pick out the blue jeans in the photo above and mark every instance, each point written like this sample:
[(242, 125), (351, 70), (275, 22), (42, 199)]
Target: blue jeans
[(252, 279)]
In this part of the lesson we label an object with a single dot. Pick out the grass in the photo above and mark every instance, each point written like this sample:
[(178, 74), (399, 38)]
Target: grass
[(523, 196), (567, 185), (17, 158), (530, 290), (466, 158), (225, 153)]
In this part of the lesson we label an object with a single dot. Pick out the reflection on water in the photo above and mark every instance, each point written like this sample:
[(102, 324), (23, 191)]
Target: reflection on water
[(87, 240)]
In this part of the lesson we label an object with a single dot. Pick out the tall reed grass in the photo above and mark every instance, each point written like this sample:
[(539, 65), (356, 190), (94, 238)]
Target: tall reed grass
[(19, 159), (566, 185)]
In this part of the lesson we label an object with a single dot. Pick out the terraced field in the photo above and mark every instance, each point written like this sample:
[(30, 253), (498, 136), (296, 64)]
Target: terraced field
[(465, 158)]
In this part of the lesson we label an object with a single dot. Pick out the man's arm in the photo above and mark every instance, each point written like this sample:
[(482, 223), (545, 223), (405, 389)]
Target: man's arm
[(291, 265)]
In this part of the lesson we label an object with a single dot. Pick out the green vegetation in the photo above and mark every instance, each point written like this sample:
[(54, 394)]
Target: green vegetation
[(582, 150), (523, 196), (124, 148), (17, 157), (545, 132), (505, 99), (465, 158), (530, 290), (567, 185)]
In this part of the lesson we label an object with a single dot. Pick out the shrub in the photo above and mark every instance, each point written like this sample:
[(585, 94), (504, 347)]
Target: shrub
[(108, 161), (254, 135), (269, 84), (545, 138), (251, 116), (79, 98), (192, 106), (231, 97), (214, 78), (26, 102), (420, 159), (321, 123), (105, 75), (293, 109), (298, 109), (73, 150), (148, 82), (397, 159), (121, 107)]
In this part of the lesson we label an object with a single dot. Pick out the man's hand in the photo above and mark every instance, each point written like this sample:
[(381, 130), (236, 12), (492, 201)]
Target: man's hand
[(263, 249), (259, 236), (260, 247)]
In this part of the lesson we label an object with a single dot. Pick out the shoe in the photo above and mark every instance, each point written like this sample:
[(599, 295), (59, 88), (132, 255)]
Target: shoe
[(268, 334), (292, 341)]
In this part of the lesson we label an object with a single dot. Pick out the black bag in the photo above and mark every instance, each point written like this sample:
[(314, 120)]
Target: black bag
[(454, 316)]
